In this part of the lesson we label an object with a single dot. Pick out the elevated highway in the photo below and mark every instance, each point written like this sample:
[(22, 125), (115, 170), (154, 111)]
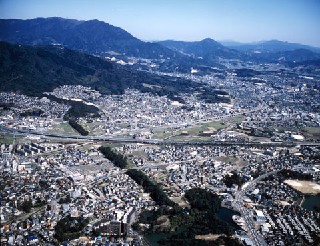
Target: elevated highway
[(155, 141)]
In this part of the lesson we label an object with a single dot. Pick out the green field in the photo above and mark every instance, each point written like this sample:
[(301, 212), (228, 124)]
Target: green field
[(191, 133), (63, 127), (92, 128), (162, 134), (6, 139), (311, 133), (235, 119)]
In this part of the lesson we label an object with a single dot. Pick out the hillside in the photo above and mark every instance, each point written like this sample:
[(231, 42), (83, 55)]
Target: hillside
[(34, 70)]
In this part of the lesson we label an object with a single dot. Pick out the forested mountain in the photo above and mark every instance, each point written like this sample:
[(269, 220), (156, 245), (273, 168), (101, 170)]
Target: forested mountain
[(34, 70), (93, 37)]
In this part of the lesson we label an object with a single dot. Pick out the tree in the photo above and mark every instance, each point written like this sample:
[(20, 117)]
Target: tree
[(156, 193), (235, 178), (75, 125), (70, 228), (26, 206), (117, 159)]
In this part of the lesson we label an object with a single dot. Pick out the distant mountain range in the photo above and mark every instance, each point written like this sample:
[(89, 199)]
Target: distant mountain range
[(270, 51), (102, 39), (206, 49), (269, 46)]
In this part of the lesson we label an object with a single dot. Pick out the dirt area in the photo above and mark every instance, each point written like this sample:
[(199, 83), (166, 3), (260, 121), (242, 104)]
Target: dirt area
[(305, 187), (231, 159), (284, 203), (162, 223), (180, 201), (209, 237)]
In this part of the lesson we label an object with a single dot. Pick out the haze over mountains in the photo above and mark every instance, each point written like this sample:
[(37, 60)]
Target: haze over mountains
[(206, 49), (268, 46), (269, 51), (102, 39)]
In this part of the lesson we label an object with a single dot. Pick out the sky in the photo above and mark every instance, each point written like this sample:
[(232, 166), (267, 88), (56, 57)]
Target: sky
[(188, 20)]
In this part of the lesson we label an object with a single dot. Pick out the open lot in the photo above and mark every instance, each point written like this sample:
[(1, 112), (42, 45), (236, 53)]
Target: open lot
[(305, 187)]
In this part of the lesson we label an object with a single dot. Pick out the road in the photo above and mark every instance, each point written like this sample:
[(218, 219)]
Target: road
[(247, 214), (23, 217), (155, 141)]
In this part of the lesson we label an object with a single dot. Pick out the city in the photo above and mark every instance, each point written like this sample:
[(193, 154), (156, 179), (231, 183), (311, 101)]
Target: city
[(70, 177), (111, 139)]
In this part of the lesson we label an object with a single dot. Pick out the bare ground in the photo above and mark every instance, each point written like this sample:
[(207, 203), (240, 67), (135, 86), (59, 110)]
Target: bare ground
[(305, 187)]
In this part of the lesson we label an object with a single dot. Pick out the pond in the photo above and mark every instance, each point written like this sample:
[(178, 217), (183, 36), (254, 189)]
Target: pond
[(226, 214), (154, 237), (310, 202)]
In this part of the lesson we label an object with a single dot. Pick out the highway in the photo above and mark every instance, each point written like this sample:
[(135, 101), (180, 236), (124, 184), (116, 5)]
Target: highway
[(154, 141)]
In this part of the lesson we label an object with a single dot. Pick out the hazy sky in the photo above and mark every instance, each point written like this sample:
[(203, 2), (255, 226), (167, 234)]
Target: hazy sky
[(240, 20)]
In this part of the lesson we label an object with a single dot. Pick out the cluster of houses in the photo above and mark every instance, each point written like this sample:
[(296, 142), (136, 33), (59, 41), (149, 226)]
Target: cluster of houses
[(74, 181)]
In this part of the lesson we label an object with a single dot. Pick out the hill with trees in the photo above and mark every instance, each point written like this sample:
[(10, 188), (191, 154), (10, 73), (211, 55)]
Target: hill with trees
[(34, 70)]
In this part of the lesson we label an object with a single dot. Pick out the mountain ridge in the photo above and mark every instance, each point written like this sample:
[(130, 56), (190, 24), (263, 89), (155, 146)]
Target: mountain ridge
[(272, 45), (103, 39), (205, 49)]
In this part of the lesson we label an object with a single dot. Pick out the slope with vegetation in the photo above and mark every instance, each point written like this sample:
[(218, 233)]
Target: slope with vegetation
[(34, 70)]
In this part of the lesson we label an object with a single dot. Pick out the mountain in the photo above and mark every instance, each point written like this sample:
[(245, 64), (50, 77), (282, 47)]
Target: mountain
[(210, 50), (271, 46), (277, 51), (92, 37), (102, 39), (298, 55), (206, 49), (33, 70), (231, 43)]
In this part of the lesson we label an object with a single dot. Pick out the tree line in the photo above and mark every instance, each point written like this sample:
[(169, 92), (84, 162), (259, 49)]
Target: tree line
[(117, 159), (156, 192), (79, 128)]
